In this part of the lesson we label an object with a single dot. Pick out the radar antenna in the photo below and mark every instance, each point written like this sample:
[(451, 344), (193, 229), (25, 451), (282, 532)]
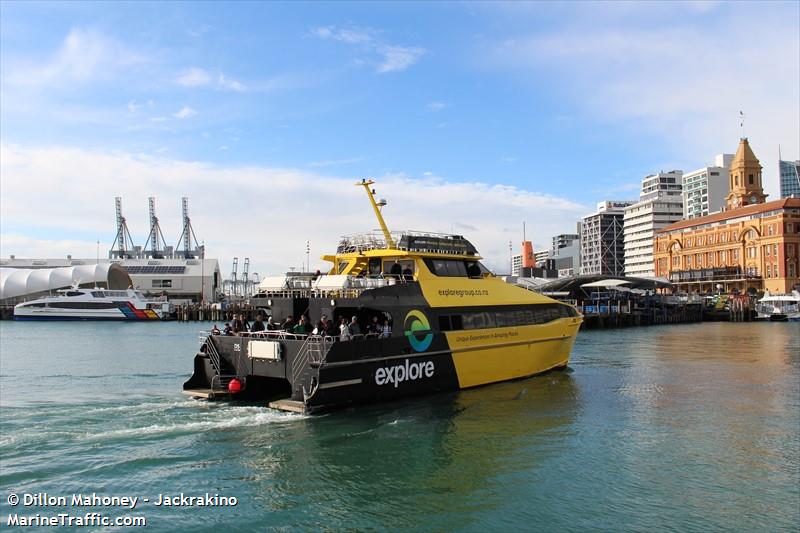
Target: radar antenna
[(366, 183), (156, 239), (123, 244)]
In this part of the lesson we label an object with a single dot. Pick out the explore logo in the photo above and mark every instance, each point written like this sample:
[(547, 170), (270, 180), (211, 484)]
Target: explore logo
[(418, 330), (406, 371)]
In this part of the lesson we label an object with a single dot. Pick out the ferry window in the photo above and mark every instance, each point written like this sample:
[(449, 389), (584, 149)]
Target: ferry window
[(473, 270), (448, 268), (444, 323), (474, 321), (456, 322), (74, 293), (97, 294), (503, 320)]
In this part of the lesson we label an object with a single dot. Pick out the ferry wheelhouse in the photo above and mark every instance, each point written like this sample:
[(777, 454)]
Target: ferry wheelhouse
[(452, 325), (92, 304)]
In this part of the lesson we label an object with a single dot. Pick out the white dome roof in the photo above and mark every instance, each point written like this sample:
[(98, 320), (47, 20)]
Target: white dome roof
[(16, 282)]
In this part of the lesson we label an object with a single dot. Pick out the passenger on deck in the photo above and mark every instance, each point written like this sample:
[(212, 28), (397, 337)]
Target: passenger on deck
[(397, 270), (302, 327), (288, 324), (258, 325), (215, 330), (271, 326), (240, 325), (344, 330), (374, 326), (228, 329), (386, 329), (408, 274), (353, 325)]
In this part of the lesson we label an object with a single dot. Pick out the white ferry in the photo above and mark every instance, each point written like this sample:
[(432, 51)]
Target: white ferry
[(779, 307), (92, 304)]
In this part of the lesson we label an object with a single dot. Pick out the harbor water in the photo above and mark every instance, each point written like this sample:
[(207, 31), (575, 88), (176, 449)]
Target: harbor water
[(686, 427)]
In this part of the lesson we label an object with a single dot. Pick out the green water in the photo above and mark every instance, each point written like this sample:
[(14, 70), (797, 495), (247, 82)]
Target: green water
[(684, 428)]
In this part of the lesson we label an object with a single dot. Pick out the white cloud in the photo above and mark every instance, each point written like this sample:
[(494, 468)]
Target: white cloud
[(84, 56), (193, 77), (673, 78), (185, 112), (397, 58), (299, 206), (393, 58), (345, 35), (25, 247), (231, 84)]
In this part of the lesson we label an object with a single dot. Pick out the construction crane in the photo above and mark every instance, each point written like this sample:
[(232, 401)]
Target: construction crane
[(123, 243), (234, 276), (245, 281), (156, 239), (188, 237)]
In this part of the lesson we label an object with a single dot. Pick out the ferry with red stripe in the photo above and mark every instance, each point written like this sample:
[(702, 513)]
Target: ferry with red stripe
[(92, 304)]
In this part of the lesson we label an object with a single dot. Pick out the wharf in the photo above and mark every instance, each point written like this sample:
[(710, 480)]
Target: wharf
[(627, 301)]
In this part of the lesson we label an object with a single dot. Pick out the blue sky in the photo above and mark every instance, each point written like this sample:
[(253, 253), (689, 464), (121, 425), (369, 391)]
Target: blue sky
[(476, 115)]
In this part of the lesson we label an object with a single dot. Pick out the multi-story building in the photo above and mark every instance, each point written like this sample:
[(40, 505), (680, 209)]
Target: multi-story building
[(562, 241), (602, 244), (540, 257), (566, 251), (751, 245), (704, 189), (516, 265), (790, 178), (660, 204)]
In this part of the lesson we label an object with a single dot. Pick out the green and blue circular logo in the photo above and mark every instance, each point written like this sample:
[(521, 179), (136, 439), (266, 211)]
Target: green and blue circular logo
[(418, 330)]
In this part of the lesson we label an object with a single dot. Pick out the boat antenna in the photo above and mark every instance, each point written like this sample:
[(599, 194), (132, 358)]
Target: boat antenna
[(366, 183)]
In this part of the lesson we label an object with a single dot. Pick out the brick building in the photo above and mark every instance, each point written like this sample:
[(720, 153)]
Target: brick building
[(752, 244)]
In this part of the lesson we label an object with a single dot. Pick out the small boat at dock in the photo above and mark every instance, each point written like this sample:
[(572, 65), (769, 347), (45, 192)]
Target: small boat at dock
[(92, 304), (779, 307)]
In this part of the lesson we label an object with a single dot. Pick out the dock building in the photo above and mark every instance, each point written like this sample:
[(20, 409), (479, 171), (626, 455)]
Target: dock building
[(602, 243), (660, 204), (180, 272), (790, 178), (704, 189), (751, 245)]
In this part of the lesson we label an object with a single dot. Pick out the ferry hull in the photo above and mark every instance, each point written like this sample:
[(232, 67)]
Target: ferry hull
[(376, 370)]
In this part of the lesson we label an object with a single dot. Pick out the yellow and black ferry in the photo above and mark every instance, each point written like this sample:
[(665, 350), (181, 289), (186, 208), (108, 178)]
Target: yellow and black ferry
[(444, 322)]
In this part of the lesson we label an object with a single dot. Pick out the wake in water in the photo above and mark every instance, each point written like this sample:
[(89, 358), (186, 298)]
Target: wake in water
[(85, 422)]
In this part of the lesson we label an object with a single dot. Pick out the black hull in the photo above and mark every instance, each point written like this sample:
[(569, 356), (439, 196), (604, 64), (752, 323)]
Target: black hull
[(348, 376)]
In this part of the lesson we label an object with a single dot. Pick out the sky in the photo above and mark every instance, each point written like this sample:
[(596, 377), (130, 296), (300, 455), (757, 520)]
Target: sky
[(472, 117)]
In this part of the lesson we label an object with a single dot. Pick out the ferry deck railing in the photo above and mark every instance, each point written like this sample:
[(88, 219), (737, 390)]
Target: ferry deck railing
[(354, 287)]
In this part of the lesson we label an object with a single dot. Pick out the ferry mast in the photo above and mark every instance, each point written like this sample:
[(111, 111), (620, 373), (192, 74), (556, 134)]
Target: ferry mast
[(375, 207)]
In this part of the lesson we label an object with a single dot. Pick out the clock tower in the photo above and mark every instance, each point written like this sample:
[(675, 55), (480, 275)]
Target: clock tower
[(745, 178)]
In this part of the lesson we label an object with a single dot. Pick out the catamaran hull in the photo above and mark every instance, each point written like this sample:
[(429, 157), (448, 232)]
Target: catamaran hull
[(125, 314), (376, 370)]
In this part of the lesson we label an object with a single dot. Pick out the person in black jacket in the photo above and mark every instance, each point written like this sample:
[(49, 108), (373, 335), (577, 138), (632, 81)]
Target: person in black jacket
[(397, 270), (258, 325)]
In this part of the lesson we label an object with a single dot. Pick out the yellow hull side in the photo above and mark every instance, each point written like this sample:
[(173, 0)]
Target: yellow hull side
[(484, 356)]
